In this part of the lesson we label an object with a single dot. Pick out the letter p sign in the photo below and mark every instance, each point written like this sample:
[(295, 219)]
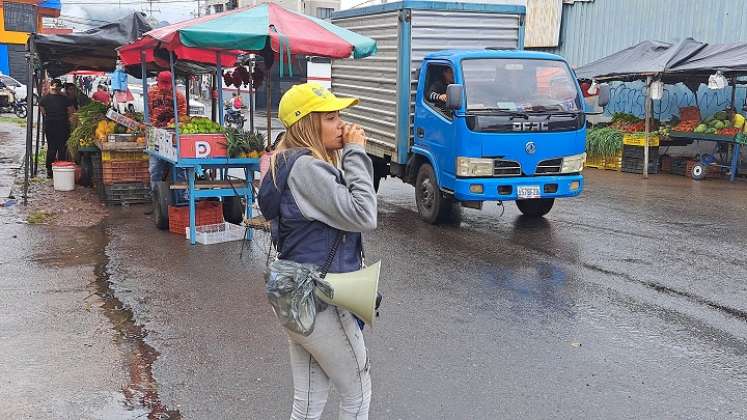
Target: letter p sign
[(202, 149)]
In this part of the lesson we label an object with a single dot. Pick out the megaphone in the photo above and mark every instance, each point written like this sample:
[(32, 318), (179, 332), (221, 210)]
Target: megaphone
[(355, 291)]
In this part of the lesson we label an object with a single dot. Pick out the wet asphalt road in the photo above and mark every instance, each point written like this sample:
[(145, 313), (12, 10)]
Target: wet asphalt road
[(629, 302)]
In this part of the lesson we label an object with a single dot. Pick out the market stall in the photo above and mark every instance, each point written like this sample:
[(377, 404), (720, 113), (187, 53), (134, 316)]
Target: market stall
[(632, 144), (219, 40), (55, 55)]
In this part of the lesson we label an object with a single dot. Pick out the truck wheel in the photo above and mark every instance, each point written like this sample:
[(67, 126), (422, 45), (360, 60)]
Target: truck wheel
[(433, 207), (161, 201), (535, 207), (233, 211), (698, 172)]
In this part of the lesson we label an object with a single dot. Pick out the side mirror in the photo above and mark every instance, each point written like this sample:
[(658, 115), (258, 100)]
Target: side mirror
[(603, 95), (454, 93)]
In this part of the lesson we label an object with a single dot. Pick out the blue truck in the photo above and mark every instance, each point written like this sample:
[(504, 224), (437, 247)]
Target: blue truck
[(453, 105)]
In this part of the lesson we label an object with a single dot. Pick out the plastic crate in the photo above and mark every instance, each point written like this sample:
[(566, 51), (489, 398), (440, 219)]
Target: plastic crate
[(611, 163), (129, 193), (115, 172), (206, 213), (639, 139), (107, 155), (217, 233)]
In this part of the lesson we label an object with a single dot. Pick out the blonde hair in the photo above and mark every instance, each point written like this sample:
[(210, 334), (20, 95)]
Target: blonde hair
[(306, 133)]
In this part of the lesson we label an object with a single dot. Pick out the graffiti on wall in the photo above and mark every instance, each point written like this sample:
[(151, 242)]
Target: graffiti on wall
[(629, 98)]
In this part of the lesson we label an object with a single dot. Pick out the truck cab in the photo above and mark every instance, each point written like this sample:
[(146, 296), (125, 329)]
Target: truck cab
[(495, 125)]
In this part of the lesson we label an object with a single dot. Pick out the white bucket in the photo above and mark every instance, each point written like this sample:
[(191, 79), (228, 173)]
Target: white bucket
[(64, 178)]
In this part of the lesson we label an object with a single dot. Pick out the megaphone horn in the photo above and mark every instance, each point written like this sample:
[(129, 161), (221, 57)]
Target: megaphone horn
[(355, 291)]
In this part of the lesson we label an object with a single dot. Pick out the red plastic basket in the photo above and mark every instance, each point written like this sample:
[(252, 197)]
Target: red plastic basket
[(206, 213)]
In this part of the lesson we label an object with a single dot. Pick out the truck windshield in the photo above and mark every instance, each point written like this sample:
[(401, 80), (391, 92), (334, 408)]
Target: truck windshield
[(519, 85)]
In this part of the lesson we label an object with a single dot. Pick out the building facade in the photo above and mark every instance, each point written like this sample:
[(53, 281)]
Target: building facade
[(18, 19)]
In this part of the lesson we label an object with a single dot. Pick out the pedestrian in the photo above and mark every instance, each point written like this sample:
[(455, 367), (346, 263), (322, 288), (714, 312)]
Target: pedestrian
[(58, 111), (102, 95), (237, 102), (308, 218), (161, 108), (77, 97)]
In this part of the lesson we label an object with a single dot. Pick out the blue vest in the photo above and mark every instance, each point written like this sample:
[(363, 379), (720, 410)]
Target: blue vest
[(297, 238)]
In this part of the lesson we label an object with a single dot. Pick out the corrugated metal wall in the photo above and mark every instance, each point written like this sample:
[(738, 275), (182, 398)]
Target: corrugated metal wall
[(373, 80), (592, 30)]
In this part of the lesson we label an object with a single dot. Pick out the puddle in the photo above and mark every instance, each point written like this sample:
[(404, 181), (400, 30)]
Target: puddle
[(141, 392)]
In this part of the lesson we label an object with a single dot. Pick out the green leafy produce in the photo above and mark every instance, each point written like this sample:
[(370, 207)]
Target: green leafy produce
[(721, 115), (604, 142), (718, 124), (88, 117), (240, 142), (700, 128)]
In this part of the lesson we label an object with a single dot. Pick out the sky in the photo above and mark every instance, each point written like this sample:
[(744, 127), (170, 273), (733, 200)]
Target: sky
[(84, 14)]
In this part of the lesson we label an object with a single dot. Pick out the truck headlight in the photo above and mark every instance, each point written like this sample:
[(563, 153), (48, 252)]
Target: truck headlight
[(474, 167), (572, 164)]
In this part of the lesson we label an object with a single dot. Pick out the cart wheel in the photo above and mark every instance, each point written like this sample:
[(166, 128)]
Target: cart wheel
[(233, 210), (161, 200), (698, 172)]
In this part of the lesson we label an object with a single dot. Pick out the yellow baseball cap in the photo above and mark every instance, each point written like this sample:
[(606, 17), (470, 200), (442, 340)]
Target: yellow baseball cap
[(301, 100)]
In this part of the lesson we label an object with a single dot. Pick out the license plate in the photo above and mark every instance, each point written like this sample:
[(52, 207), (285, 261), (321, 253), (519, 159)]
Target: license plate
[(528, 191)]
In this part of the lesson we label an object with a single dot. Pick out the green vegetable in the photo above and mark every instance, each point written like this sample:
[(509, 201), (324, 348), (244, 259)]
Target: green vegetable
[(700, 128), (604, 142), (721, 115), (718, 125)]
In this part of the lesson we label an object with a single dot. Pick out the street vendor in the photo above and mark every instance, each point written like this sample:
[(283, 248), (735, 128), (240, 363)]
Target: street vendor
[(102, 95), (58, 111), (77, 98), (161, 101), (161, 106)]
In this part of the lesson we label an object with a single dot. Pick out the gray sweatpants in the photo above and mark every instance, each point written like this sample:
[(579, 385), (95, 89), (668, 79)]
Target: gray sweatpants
[(334, 352)]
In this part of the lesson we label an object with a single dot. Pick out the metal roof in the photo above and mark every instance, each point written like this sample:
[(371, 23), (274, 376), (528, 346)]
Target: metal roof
[(432, 5), (456, 55), (592, 30)]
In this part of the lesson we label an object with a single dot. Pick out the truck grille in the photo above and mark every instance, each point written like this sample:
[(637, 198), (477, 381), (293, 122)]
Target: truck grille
[(551, 166), (506, 168)]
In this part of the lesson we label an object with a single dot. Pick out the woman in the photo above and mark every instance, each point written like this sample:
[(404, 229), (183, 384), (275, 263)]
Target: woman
[(310, 202)]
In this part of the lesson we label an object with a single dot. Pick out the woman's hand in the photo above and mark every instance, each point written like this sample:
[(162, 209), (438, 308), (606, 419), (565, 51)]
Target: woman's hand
[(353, 134)]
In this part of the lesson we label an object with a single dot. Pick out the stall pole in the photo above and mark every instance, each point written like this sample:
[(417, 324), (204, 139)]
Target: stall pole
[(647, 107), (268, 86), (219, 73), (251, 107), (186, 90), (213, 88), (29, 121), (39, 123), (144, 76)]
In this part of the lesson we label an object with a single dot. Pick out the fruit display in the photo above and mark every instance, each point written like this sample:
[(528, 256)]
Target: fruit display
[(244, 143), (242, 77), (84, 130), (196, 125), (104, 128), (712, 125), (627, 123), (686, 126)]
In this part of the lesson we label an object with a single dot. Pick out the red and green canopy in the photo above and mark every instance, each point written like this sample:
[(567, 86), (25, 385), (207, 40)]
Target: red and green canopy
[(253, 29)]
